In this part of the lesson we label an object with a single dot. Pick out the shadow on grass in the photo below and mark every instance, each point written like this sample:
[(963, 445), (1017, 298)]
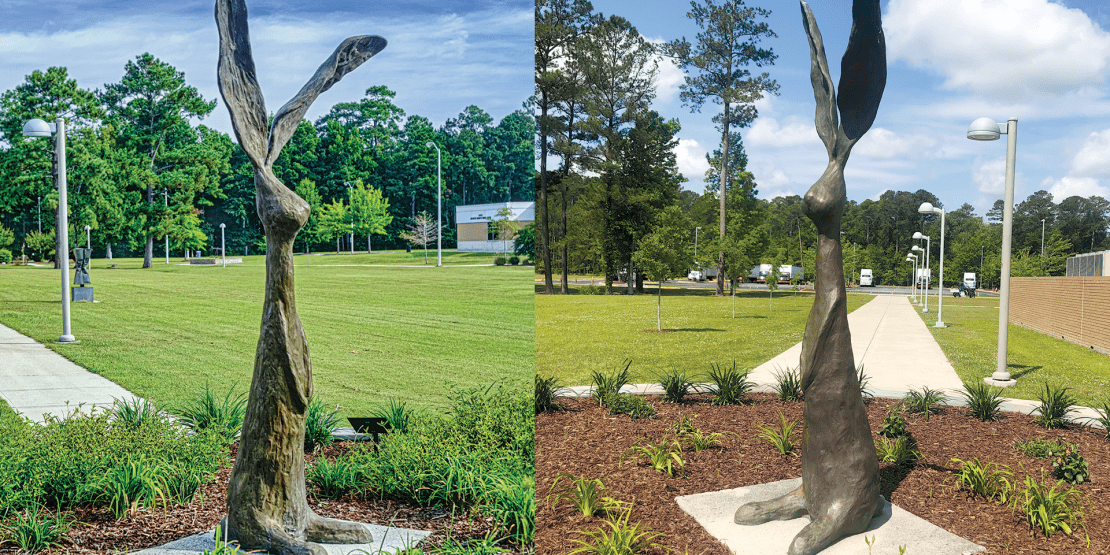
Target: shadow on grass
[(1022, 370), (693, 329)]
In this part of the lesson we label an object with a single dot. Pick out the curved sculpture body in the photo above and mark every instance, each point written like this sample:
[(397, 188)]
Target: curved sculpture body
[(840, 472), (266, 501)]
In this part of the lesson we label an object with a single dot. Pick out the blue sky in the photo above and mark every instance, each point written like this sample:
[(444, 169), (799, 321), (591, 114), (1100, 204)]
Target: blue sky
[(442, 55), (949, 62)]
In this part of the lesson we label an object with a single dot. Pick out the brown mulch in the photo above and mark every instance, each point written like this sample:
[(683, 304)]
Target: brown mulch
[(97, 531), (585, 440)]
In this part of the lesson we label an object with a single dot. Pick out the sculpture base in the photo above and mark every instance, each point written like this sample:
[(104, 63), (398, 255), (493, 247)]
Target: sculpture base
[(81, 294), (893, 528), (395, 540)]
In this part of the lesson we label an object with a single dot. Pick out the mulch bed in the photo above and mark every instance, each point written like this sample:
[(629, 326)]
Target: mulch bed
[(585, 440), (97, 531)]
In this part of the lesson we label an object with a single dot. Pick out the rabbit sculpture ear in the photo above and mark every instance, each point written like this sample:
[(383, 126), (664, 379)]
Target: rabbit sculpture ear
[(350, 54), (862, 71), (237, 81), (823, 91)]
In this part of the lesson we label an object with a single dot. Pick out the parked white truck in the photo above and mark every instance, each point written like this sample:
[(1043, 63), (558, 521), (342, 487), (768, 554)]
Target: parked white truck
[(969, 280), (865, 278), (702, 274), (786, 273)]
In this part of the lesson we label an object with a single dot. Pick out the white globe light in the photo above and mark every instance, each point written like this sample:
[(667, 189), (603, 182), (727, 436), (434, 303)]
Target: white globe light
[(984, 129)]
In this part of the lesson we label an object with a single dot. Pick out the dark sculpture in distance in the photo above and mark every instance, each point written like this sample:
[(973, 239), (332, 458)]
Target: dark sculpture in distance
[(840, 472), (266, 505)]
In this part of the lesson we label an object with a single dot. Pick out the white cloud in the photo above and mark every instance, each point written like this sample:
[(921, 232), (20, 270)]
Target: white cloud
[(1093, 158), (767, 132), (1074, 186), (884, 143), (990, 176), (1004, 48), (669, 78), (691, 159)]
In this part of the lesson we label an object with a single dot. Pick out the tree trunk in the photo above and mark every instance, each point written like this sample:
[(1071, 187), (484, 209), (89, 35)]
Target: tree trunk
[(148, 254), (723, 194), (548, 286), (109, 251), (659, 308)]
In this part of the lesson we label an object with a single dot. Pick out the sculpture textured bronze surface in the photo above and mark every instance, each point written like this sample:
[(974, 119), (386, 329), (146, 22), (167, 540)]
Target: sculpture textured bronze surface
[(266, 505), (81, 274), (840, 472)]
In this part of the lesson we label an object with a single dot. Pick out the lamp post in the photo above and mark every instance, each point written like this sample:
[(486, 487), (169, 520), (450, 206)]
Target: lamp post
[(39, 128), (928, 208), (696, 230), (351, 240), (40, 214), (223, 251), (910, 260), (928, 248), (985, 129), (351, 236), (928, 276), (913, 282), (439, 204), (88, 238), (166, 198), (1042, 240)]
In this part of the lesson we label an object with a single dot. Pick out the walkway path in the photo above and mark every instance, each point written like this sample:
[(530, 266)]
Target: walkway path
[(36, 381)]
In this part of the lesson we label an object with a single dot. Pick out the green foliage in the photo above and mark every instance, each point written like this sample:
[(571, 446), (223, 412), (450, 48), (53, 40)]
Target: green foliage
[(547, 390), (788, 385), (206, 411), (33, 530), (731, 384), (134, 413), (334, 479), (590, 289), (863, 380), (512, 501), (1070, 466), (666, 456), (697, 440), (611, 383), (40, 245), (369, 210), (924, 401), (676, 385), (5, 256), (634, 406), (1055, 405), (514, 260), (500, 261), (1048, 509), (901, 450), (1043, 448), (586, 495), (894, 423), (779, 437), (524, 243), (982, 400), (136, 481), (622, 538), (222, 546), (319, 425), (397, 416), (987, 480), (683, 425)]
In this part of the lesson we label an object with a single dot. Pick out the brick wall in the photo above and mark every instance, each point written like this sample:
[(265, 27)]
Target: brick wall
[(1075, 309)]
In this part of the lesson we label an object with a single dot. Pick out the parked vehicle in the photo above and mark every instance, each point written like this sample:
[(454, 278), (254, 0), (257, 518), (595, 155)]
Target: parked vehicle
[(923, 278), (702, 274), (865, 278), (759, 273), (969, 280), (788, 273), (963, 291)]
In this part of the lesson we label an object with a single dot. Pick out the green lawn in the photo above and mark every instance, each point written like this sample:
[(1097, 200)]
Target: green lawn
[(577, 334), (971, 342), (373, 332)]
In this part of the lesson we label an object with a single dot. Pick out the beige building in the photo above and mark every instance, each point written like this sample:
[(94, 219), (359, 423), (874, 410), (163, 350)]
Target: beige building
[(477, 230)]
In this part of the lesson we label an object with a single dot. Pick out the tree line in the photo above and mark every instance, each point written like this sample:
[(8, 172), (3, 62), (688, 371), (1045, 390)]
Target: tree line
[(614, 205), (141, 171)]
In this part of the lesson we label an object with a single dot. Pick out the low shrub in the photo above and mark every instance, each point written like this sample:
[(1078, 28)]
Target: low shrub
[(1055, 405), (676, 385), (982, 400), (610, 383), (731, 384), (586, 495), (1103, 418), (924, 401), (590, 289), (698, 440), (206, 410), (319, 425), (1070, 467), (666, 456), (512, 501), (397, 416), (864, 381), (334, 479), (34, 530), (621, 539), (1042, 448), (987, 480), (547, 390), (894, 423), (779, 437), (5, 256), (514, 260), (900, 451), (634, 406), (133, 483), (788, 384), (1047, 508), (500, 261)]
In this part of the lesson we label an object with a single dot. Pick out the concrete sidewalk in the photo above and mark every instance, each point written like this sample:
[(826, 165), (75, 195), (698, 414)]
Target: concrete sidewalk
[(36, 381)]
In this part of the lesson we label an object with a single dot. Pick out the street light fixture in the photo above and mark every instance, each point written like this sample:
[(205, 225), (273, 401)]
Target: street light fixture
[(696, 230), (223, 250), (1042, 240), (985, 129), (913, 282), (39, 128), (88, 238), (439, 204), (928, 249), (928, 208), (928, 276)]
